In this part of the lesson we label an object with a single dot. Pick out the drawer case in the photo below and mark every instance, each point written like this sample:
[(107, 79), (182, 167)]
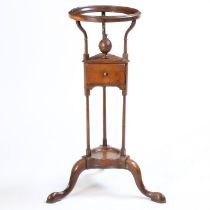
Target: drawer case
[(105, 75)]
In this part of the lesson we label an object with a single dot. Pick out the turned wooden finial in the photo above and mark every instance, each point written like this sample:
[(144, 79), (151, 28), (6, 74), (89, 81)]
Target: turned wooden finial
[(105, 45)]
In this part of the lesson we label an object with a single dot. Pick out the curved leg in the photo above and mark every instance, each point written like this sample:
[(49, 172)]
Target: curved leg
[(133, 167), (77, 169)]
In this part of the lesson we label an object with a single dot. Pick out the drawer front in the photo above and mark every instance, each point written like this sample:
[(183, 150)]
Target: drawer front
[(105, 74)]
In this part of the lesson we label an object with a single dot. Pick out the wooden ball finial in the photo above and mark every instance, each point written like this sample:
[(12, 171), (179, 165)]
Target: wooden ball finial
[(105, 45)]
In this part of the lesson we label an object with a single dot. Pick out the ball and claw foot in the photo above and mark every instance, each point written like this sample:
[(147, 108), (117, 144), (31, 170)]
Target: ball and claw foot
[(133, 167)]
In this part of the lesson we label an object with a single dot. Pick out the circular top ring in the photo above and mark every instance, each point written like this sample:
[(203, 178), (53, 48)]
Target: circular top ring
[(78, 13)]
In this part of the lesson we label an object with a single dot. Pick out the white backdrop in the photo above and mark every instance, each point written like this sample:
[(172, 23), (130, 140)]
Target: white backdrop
[(42, 106)]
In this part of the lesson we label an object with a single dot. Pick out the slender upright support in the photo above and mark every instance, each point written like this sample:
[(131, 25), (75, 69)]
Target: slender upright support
[(103, 26), (123, 151), (86, 55), (125, 53), (104, 117), (88, 151)]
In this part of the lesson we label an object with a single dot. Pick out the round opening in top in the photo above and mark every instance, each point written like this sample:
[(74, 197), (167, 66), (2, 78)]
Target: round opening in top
[(122, 13)]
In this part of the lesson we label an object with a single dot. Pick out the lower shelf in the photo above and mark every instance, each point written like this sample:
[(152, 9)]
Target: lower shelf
[(106, 157)]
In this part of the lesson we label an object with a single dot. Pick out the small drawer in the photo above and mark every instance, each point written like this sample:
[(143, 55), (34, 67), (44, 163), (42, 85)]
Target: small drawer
[(105, 74)]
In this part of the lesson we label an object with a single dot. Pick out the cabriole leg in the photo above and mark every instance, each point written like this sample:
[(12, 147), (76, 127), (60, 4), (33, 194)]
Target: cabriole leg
[(133, 167), (76, 171)]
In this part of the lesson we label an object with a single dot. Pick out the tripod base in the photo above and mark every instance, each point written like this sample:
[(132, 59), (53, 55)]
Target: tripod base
[(106, 157)]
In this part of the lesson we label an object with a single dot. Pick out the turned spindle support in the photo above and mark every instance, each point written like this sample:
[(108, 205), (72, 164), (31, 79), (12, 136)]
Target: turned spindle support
[(104, 118)]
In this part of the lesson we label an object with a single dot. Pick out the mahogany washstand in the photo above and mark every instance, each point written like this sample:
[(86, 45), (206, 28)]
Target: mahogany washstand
[(105, 70)]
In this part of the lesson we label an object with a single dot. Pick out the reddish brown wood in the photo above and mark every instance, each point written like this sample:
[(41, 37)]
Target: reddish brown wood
[(123, 151), (88, 152), (130, 14), (104, 117), (106, 157), (105, 74), (105, 70), (78, 168), (105, 46), (133, 167), (125, 53), (86, 55), (99, 59)]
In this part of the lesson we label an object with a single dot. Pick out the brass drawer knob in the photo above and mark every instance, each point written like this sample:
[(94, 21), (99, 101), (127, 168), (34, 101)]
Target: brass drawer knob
[(105, 74)]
